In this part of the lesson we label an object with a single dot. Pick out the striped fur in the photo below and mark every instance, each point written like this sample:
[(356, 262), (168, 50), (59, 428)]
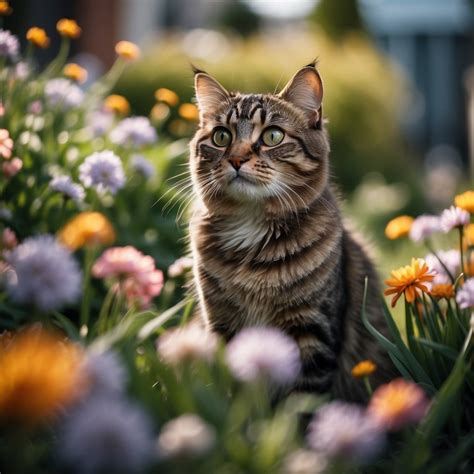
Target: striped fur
[(268, 240)]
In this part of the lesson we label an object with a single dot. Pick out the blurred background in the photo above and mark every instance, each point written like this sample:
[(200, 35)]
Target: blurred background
[(398, 74)]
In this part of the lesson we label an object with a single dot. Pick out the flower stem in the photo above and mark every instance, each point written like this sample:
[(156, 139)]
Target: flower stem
[(467, 341), (368, 385), (461, 250), (86, 286)]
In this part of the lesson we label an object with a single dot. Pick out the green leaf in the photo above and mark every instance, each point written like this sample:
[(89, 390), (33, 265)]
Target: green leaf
[(66, 325), (446, 351)]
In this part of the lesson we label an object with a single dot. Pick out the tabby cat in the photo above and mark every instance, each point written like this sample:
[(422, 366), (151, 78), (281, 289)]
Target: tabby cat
[(268, 241)]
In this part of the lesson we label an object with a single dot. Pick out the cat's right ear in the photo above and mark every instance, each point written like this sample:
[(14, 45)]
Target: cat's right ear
[(209, 93)]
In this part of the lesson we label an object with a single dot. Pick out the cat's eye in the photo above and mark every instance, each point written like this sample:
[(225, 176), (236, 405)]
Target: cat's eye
[(221, 137), (273, 136)]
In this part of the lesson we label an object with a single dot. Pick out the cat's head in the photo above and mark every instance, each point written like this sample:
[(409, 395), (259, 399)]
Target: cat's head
[(269, 150)]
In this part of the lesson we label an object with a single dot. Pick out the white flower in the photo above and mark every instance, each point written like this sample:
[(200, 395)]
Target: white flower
[(454, 217), (64, 93)]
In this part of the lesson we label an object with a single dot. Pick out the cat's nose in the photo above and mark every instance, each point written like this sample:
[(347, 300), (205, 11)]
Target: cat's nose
[(237, 161)]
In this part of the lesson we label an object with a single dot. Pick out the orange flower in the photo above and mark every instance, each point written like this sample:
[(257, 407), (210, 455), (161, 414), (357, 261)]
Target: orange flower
[(37, 37), (363, 369), (398, 227), (465, 201), (442, 290), (167, 95), (469, 235), (118, 104), (188, 112), (75, 72), (5, 8), (409, 280), (87, 229), (159, 112), (68, 28), (39, 374), (127, 50)]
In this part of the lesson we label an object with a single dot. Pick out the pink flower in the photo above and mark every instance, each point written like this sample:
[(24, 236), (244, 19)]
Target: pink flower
[(179, 267), (453, 217), (9, 240), (6, 144), (423, 226), (11, 168)]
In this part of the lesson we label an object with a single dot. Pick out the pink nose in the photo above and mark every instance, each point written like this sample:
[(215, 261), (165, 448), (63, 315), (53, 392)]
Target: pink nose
[(237, 161)]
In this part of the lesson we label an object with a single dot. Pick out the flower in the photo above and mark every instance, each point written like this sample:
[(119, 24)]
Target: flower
[(453, 217), (5, 8), (106, 434), (105, 373), (133, 132), (118, 104), (398, 227), (465, 296), (70, 190), (62, 92), (102, 170), (187, 343), (159, 112), (363, 369), (99, 122), (397, 404), (166, 95), (263, 352), (142, 166), (39, 375), (304, 461), (451, 261), (188, 112), (75, 72), (127, 50), (469, 235), (179, 267), (344, 430), (186, 436), (423, 227), (87, 229), (9, 45), (45, 274), (9, 240), (37, 37), (6, 144), (465, 201), (442, 290), (68, 28), (409, 280), (12, 168)]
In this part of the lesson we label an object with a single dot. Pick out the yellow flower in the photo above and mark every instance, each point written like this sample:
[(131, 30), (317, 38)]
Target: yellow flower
[(5, 8), (469, 235), (189, 112), (118, 104), (38, 37), (87, 229), (166, 95), (159, 112), (409, 280), (39, 374), (398, 227), (442, 290), (465, 201), (363, 369), (127, 50), (68, 28), (75, 72)]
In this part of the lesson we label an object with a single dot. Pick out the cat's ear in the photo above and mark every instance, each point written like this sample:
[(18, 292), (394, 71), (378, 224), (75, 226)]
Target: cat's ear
[(305, 91), (209, 93)]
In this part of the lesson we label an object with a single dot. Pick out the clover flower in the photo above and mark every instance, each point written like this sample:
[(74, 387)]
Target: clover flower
[(263, 352), (465, 296), (451, 262), (105, 373), (180, 266), (103, 171), (44, 274), (453, 217), (65, 186), (134, 132), (9, 45), (63, 93), (424, 226), (143, 166), (345, 430)]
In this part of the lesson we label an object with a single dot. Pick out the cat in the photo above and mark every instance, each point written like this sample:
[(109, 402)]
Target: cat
[(267, 237)]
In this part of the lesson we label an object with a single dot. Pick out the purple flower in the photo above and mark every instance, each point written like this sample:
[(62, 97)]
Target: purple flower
[(45, 274), (102, 170), (143, 166), (423, 226), (9, 45), (134, 132), (465, 296), (64, 93), (345, 430), (264, 352), (65, 185), (453, 217), (106, 373), (99, 122), (451, 260), (106, 434)]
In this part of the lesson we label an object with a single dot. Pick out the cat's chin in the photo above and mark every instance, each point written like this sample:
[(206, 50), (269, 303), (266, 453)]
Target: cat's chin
[(243, 189)]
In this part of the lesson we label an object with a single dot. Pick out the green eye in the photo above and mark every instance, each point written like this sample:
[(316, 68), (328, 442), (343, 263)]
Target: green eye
[(221, 136), (272, 136)]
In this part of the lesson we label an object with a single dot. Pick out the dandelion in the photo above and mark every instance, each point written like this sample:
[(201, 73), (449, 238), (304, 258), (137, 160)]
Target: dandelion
[(12, 168), (69, 189), (363, 369), (62, 92), (105, 373), (9, 45), (44, 274), (442, 290), (39, 375), (465, 201), (465, 296), (424, 226), (103, 171), (189, 112), (75, 72), (187, 343), (37, 37), (106, 434), (445, 264), (167, 95), (134, 132), (142, 166), (398, 227), (397, 404), (344, 430), (87, 229), (9, 240), (263, 352), (127, 50), (118, 104), (5, 8), (6, 144), (180, 266), (68, 28), (453, 217), (409, 280)]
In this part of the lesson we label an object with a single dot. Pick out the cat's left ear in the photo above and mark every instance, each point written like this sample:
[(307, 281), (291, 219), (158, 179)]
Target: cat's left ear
[(209, 93), (305, 91)]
